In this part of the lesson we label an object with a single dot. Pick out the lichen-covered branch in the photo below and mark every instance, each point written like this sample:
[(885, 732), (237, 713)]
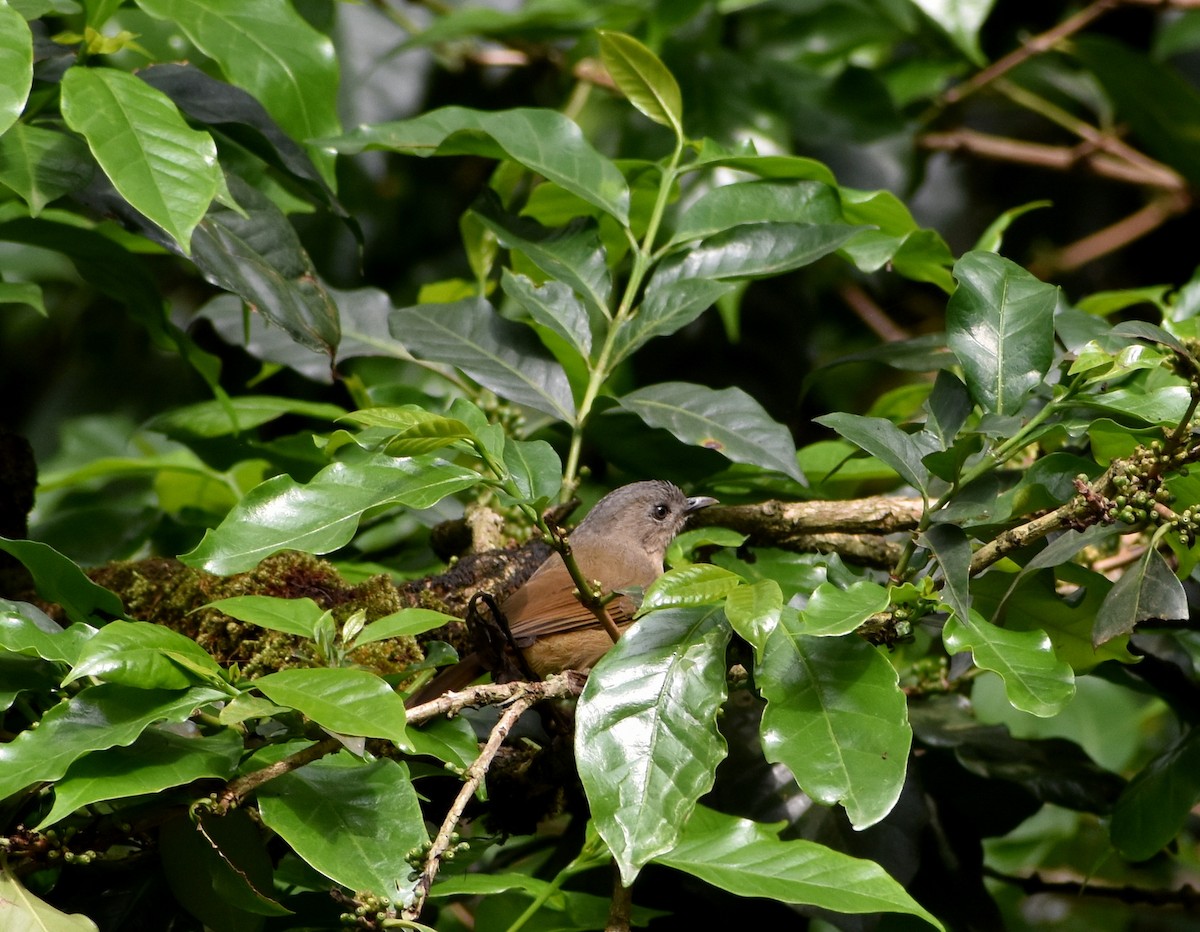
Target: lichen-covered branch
[(793, 525)]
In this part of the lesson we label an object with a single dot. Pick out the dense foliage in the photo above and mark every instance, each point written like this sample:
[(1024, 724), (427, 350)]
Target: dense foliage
[(928, 664)]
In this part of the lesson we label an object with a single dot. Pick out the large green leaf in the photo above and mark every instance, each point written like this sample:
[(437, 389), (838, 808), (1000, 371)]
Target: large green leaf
[(270, 50), (535, 470), (749, 859), (754, 610), (354, 822), (146, 656), (961, 20), (322, 515), (207, 419), (159, 759), (728, 421), (499, 354), (697, 584), (837, 718), (731, 205), (24, 912), (1147, 590), (666, 307), (164, 168), (25, 629), (98, 717), (59, 580), (646, 738), (831, 611), (291, 616), (1035, 680), (1156, 803), (883, 440), (643, 79), (42, 164), (1000, 325), (555, 306), (543, 141), (16, 65), (340, 699)]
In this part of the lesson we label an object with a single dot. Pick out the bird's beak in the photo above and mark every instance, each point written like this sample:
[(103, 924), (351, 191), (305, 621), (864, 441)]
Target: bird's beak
[(697, 502)]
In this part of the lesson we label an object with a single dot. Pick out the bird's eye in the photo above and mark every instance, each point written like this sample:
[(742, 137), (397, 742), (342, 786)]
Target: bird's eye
[(660, 511)]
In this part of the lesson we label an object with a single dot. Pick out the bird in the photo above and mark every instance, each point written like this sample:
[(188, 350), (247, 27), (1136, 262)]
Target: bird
[(620, 544)]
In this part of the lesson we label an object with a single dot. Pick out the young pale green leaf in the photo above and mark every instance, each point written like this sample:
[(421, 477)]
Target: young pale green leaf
[(646, 738), (340, 699), (832, 611), (16, 65), (270, 50), (535, 470), (25, 629), (291, 616), (98, 717), (27, 293), (731, 205), (1147, 590), (728, 421), (667, 307), (147, 656), (60, 581), (754, 610), (164, 168), (499, 354), (321, 516), (207, 419), (354, 822), (643, 79), (883, 440), (1156, 802), (158, 760), (697, 584), (26, 913), (749, 859), (1035, 680), (1000, 325), (837, 718), (553, 305), (42, 164), (544, 141), (404, 623)]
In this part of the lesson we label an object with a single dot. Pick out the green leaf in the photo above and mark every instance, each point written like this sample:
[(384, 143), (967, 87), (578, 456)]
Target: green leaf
[(353, 822), (23, 293), (991, 239), (164, 168), (554, 306), (158, 760), (698, 584), (713, 155), (667, 306), (646, 738), (837, 718), (832, 611), (542, 140), (146, 656), (728, 421), (749, 859), (404, 623), (961, 20), (731, 205), (1157, 801), (643, 79), (16, 65), (291, 616), (535, 470), (20, 674), (340, 699), (270, 50), (1000, 325), (98, 717), (24, 912), (897, 241), (26, 629), (416, 430), (59, 580), (41, 165), (497, 353), (321, 516), (1035, 680), (754, 610), (1146, 591), (883, 440), (953, 551), (208, 419)]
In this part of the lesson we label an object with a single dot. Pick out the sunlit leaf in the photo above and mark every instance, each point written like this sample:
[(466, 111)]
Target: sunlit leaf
[(16, 65), (643, 79), (42, 164)]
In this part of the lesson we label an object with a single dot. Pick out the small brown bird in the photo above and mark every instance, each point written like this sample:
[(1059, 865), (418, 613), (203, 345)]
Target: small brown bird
[(621, 543)]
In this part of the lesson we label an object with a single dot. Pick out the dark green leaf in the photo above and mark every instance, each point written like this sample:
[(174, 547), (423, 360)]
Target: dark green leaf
[(1156, 803), (535, 470), (321, 516), (553, 305), (643, 79), (794, 167), (832, 611), (747, 202), (1000, 325), (26, 629), (991, 239), (499, 354), (41, 165), (728, 421), (646, 738), (147, 656), (667, 307), (950, 546), (1146, 591), (883, 440), (60, 581), (948, 406), (340, 699), (213, 419), (16, 65), (20, 674)]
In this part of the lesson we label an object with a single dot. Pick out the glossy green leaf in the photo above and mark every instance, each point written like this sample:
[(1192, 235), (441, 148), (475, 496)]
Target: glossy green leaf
[(832, 611), (961, 20), (555, 306), (354, 822), (147, 656), (698, 584), (775, 201), (499, 354), (26, 629), (1164, 406), (837, 718), (643, 79), (646, 738), (535, 470), (1148, 590), (897, 240), (749, 859), (62, 582), (415, 430), (451, 740), (291, 616), (158, 760), (1035, 680), (883, 440), (795, 167), (20, 674), (340, 699), (270, 50), (1000, 325), (950, 546), (1157, 801), (98, 717), (753, 611), (728, 421), (41, 164), (208, 419), (24, 912), (667, 306), (164, 168), (321, 515), (544, 141), (16, 65)]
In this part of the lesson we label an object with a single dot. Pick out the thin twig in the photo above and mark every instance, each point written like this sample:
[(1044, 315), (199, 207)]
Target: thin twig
[(871, 314), (620, 909), (237, 790), (1116, 236), (558, 686)]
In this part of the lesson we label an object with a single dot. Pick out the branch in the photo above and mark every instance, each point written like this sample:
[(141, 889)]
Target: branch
[(237, 790), (782, 524), (559, 686), (1185, 896), (1116, 236), (620, 910)]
